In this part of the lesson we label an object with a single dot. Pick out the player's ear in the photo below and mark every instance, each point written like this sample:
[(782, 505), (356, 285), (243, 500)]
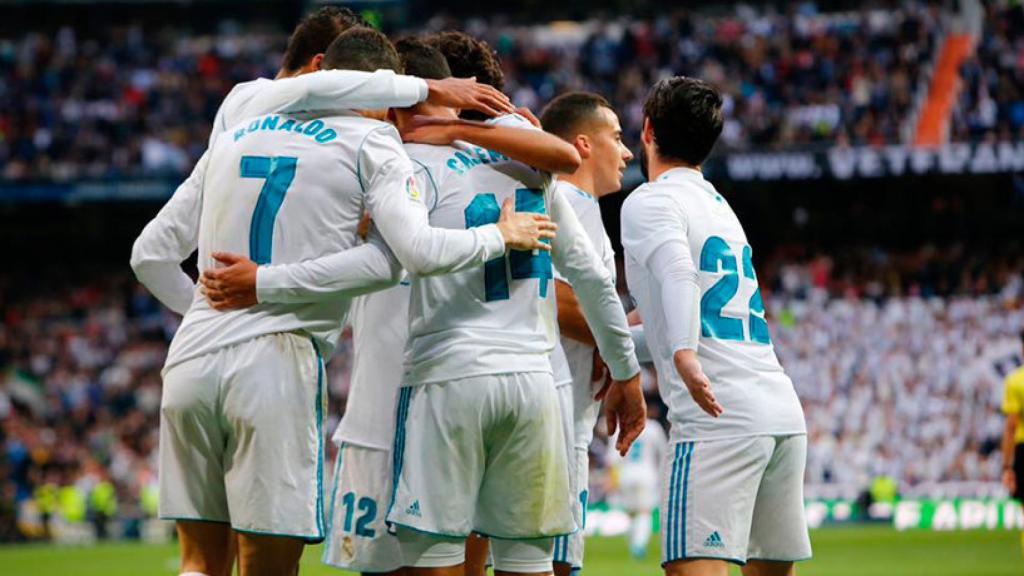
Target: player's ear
[(317, 62), (647, 136), (583, 145)]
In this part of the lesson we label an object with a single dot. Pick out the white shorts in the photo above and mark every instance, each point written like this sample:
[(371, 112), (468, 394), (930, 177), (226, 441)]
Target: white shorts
[(422, 550), (357, 537), (569, 548), (241, 438), (482, 454), (736, 500)]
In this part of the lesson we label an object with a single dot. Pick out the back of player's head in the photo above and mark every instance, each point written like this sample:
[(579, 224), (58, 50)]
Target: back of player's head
[(572, 113), (315, 33), (686, 116), (421, 59), (363, 49)]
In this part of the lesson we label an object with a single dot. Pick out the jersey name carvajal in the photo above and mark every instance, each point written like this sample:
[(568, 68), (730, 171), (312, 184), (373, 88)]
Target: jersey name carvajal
[(283, 189), (496, 318), (734, 347)]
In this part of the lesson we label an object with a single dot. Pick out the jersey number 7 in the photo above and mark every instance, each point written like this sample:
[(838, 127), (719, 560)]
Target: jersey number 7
[(483, 210), (278, 172)]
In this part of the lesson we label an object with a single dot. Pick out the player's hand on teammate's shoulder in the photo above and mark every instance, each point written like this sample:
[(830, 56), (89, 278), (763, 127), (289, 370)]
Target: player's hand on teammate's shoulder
[(530, 116), (626, 410), (467, 93), (232, 287), (696, 382), (525, 230)]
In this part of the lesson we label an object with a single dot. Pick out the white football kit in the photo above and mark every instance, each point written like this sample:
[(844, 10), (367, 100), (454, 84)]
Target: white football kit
[(689, 267), (357, 537), (479, 444), (576, 359), (280, 188)]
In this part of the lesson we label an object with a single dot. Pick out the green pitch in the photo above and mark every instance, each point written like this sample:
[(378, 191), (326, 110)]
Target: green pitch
[(856, 551)]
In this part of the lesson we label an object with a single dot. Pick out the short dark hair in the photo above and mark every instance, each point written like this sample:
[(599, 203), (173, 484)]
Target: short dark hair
[(315, 32), (686, 114), (567, 115), (361, 49), (469, 57), (421, 59)]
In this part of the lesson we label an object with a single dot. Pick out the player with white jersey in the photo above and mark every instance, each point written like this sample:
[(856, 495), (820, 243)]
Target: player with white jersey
[(479, 396), (254, 465), (357, 538), (637, 476), (586, 121), (733, 485)]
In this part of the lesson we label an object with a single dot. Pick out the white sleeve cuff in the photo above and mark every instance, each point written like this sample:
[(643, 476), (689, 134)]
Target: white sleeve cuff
[(424, 90), (268, 280), (494, 242)]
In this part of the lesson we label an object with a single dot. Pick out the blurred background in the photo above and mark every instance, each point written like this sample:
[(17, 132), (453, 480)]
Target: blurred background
[(874, 152)]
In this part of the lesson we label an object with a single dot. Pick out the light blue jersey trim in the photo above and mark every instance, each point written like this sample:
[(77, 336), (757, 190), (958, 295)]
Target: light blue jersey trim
[(319, 442), (679, 485), (334, 496), (437, 191), (397, 454), (309, 539), (190, 519)]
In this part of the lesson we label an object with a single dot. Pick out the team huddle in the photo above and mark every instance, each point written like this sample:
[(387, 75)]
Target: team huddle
[(393, 187)]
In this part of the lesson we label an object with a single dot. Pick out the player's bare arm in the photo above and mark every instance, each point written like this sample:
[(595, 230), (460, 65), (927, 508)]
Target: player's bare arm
[(626, 410), (534, 148), (696, 382)]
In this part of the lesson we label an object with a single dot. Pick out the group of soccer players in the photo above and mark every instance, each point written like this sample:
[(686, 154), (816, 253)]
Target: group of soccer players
[(463, 241)]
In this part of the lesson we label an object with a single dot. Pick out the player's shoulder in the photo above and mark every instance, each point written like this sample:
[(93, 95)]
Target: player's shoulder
[(1015, 379), (651, 197), (514, 120), (578, 198)]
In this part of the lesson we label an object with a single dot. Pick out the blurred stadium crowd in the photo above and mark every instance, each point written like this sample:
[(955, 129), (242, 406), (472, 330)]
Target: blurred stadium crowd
[(893, 383), (896, 356), (133, 100)]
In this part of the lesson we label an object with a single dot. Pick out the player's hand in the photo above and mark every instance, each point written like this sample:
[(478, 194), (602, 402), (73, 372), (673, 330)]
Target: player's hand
[(232, 287), (525, 230), (625, 409), (467, 93), (1010, 481), (696, 382), (599, 373), (528, 114)]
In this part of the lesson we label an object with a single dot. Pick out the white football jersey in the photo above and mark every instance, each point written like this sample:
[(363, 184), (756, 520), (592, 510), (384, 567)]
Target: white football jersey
[(283, 189), (734, 347), (380, 328), (501, 317), (572, 356), (173, 235)]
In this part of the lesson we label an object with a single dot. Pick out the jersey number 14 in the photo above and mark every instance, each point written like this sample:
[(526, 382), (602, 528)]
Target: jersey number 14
[(484, 210)]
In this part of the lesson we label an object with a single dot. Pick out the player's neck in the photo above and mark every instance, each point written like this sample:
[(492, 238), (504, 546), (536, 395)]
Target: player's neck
[(657, 167), (582, 179)]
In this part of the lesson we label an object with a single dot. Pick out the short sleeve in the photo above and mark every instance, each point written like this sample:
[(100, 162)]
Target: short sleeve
[(650, 220)]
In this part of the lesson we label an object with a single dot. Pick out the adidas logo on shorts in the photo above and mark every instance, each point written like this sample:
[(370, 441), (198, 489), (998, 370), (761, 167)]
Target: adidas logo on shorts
[(714, 541), (414, 510)]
